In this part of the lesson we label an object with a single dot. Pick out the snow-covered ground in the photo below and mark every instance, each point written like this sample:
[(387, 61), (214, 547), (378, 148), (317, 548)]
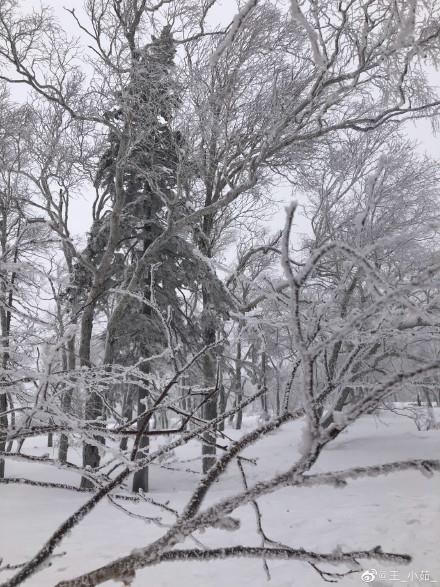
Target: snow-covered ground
[(401, 512)]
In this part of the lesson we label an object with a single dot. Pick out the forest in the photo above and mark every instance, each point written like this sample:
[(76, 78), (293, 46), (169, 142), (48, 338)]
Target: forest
[(219, 292)]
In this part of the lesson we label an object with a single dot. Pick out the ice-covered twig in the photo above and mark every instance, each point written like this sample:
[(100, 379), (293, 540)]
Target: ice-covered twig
[(318, 57), (269, 553), (233, 31), (339, 478), (13, 567), (257, 511)]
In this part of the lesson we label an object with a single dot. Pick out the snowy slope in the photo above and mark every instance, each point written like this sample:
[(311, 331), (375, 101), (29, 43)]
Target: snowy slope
[(400, 511)]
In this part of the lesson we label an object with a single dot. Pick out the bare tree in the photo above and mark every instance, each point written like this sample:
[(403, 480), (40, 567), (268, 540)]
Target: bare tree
[(22, 240)]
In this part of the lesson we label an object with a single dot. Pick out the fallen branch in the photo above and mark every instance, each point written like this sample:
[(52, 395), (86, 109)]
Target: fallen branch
[(299, 554)]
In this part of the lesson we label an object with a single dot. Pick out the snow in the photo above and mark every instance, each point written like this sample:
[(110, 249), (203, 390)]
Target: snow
[(400, 511), (233, 31), (318, 57)]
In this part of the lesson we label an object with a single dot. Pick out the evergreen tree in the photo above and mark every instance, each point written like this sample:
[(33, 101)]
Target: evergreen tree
[(150, 182)]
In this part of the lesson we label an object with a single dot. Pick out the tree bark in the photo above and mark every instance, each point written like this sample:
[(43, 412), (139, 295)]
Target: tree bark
[(209, 380), (238, 387), (93, 406), (66, 398), (140, 479), (5, 318), (3, 425), (264, 385), (127, 413)]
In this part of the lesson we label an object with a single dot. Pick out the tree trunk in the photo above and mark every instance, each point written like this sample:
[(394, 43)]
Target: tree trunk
[(221, 405), (340, 403), (127, 413), (5, 317), (93, 406), (263, 385), (140, 479), (7, 296), (66, 398), (278, 390), (209, 380), (428, 397), (3, 425), (11, 407), (238, 387), (430, 424)]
